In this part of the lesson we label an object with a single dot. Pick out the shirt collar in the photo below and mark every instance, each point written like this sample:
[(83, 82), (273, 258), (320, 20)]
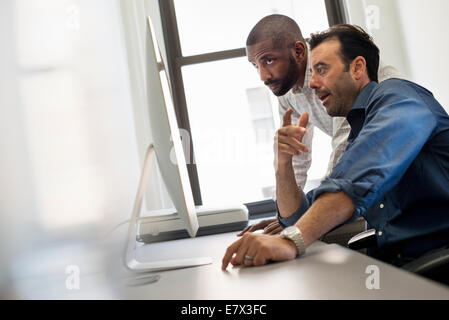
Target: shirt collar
[(362, 98), (356, 115)]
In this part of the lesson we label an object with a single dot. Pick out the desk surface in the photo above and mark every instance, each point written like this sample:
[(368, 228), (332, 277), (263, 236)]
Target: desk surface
[(325, 272)]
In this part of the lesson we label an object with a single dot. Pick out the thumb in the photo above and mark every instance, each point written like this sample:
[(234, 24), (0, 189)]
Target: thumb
[(303, 120)]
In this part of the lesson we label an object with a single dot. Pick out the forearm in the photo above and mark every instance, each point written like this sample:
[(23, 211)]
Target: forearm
[(327, 212), (288, 193)]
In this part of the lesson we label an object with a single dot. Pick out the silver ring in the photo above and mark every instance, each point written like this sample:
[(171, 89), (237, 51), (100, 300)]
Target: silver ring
[(247, 257)]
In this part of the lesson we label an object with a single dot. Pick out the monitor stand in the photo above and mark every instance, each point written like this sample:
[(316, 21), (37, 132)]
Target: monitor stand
[(129, 259), (166, 225)]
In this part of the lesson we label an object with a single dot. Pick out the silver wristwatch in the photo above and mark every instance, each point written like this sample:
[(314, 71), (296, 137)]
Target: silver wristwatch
[(294, 234)]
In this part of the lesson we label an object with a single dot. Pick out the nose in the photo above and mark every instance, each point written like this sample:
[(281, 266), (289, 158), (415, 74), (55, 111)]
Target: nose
[(264, 74), (313, 83)]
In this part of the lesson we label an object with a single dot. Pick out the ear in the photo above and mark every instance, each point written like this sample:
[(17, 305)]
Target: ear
[(358, 67), (300, 50)]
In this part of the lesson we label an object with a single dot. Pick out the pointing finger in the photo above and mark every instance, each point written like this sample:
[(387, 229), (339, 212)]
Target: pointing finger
[(303, 120), (287, 118)]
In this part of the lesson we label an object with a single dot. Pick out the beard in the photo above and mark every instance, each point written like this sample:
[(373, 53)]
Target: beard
[(342, 96), (286, 83)]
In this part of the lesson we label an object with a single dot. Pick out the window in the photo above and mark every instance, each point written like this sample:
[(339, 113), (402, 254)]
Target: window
[(209, 26), (230, 114), (233, 145), (261, 111)]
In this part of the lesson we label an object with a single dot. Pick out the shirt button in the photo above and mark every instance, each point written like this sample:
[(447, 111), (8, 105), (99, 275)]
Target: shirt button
[(380, 233), (381, 205)]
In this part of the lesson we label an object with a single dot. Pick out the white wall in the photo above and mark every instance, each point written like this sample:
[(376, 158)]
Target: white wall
[(68, 145), (383, 26), (412, 36), (69, 159), (13, 166), (424, 26)]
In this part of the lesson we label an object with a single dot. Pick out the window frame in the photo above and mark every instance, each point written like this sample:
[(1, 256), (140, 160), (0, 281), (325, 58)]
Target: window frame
[(336, 13)]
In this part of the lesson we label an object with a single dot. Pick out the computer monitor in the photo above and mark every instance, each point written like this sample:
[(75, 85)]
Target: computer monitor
[(166, 135), (170, 156)]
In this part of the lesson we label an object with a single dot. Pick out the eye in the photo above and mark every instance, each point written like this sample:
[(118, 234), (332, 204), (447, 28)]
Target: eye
[(270, 61), (320, 70)]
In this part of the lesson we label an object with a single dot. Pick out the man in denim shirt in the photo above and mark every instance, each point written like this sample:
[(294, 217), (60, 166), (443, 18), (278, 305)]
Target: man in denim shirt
[(394, 171)]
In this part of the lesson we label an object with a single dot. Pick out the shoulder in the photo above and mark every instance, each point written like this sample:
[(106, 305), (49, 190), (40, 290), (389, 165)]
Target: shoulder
[(401, 99), (392, 84), (400, 88)]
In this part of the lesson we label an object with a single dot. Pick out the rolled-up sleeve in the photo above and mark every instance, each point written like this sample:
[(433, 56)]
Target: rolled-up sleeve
[(291, 220)]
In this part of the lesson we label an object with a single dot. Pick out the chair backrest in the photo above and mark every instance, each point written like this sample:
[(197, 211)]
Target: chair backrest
[(433, 265)]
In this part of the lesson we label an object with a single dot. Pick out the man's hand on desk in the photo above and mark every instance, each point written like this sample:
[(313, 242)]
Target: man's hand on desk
[(269, 226), (258, 249)]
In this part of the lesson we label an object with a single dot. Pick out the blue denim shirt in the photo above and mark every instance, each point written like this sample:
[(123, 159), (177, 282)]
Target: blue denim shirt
[(395, 167)]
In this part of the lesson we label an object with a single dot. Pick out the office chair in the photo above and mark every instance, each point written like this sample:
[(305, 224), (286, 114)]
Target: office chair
[(433, 264)]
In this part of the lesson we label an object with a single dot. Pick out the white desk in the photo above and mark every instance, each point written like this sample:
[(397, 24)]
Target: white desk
[(325, 272)]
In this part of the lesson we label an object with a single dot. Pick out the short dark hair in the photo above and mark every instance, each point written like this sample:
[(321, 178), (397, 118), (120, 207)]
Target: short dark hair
[(282, 30), (354, 42)]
